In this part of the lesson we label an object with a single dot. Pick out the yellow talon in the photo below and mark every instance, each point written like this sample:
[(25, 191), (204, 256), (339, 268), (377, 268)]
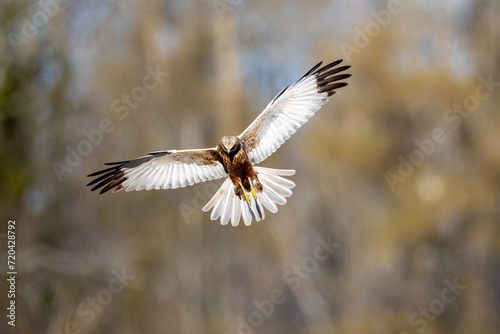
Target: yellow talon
[(253, 193), (253, 190), (247, 198), (245, 193)]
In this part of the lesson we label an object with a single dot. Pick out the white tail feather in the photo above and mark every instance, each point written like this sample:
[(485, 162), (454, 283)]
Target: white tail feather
[(227, 206)]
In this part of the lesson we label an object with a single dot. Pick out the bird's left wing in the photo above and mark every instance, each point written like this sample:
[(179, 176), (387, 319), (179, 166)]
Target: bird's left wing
[(291, 108), (160, 170)]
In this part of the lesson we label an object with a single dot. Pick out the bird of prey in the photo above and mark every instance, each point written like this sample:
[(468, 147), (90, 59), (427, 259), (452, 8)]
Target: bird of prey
[(248, 188)]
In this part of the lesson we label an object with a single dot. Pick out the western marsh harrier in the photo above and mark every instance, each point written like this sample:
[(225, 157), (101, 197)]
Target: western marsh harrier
[(248, 189)]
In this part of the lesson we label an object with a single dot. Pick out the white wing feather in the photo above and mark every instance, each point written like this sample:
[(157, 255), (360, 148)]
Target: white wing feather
[(160, 170), (290, 109)]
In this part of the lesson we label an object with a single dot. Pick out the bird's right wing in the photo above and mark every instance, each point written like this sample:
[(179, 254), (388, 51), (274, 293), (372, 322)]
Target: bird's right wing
[(160, 170)]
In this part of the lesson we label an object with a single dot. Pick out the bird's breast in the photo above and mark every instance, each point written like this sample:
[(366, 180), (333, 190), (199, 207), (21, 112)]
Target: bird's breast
[(239, 165)]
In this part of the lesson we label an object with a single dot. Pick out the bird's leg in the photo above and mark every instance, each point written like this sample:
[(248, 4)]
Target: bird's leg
[(252, 189), (255, 197), (244, 192), (248, 201)]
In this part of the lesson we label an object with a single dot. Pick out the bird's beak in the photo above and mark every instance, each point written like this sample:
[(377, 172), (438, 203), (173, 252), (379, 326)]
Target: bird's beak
[(228, 151)]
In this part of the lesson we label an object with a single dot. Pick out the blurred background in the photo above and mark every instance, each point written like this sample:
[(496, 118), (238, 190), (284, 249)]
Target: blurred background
[(393, 226)]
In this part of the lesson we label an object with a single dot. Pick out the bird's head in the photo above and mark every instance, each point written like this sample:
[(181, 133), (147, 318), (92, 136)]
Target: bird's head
[(230, 145)]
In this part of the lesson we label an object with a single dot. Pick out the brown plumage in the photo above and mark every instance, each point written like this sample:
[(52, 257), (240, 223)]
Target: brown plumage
[(235, 160)]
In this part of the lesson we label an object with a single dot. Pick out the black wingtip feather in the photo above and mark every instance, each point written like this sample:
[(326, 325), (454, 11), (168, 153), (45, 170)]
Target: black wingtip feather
[(101, 171), (104, 182), (330, 89), (115, 163), (322, 75), (332, 72), (102, 177), (115, 184), (311, 70), (328, 66), (327, 82), (281, 93), (110, 178), (333, 79)]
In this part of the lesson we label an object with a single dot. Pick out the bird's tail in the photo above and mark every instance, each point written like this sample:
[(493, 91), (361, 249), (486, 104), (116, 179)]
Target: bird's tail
[(227, 206)]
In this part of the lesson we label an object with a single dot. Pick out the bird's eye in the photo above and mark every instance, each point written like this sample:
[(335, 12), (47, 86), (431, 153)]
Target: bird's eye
[(235, 148)]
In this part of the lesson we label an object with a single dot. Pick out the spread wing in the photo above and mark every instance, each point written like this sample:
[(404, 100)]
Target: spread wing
[(160, 170), (291, 108)]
